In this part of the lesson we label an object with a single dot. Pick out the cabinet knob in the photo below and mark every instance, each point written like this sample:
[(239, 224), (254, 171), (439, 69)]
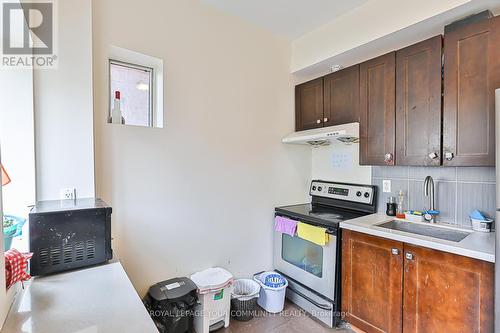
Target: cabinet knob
[(409, 256), (449, 156), (433, 155), (388, 158), (318, 121), (395, 251), (325, 120)]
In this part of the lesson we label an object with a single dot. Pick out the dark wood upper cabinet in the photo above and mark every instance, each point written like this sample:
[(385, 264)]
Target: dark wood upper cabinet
[(309, 105), (341, 96), (377, 110), (418, 103), (372, 282), (410, 110), (444, 292), (471, 75)]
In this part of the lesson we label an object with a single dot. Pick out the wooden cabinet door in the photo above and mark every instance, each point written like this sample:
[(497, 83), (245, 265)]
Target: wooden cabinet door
[(309, 105), (471, 75), (341, 91), (372, 277), (418, 104), (377, 110), (444, 292)]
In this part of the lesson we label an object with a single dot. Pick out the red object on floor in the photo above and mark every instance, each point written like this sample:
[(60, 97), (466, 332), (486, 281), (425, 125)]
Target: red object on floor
[(16, 264)]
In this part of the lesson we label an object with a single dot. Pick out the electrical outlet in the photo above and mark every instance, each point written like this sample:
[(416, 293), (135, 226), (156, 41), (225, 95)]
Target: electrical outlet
[(386, 185), (68, 193)]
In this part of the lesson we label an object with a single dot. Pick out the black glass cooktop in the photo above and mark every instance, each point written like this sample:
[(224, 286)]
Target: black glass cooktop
[(322, 215)]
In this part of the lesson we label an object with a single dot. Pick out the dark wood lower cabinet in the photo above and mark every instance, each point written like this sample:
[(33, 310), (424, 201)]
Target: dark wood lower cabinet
[(389, 286), (372, 277), (444, 292)]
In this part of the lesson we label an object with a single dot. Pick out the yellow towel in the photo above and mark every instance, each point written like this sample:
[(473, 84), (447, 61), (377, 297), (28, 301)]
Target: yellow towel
[(313, 234)]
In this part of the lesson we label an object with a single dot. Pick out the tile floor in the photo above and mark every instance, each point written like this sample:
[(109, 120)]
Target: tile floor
[(291, 320)]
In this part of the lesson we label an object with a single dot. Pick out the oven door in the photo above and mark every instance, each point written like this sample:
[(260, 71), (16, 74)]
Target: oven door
[(309, 264)]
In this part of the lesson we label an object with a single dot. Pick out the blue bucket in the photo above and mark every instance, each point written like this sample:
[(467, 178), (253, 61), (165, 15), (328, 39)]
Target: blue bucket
[(12, 231)]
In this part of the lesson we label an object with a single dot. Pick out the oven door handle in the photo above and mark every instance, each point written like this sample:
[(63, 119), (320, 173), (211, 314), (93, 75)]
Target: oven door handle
[(309, 299), (331, 232)]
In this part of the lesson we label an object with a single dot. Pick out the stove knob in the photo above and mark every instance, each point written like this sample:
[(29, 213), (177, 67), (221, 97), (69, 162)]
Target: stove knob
[(358, 194), (314, 188), (320, 188), (367, 195)]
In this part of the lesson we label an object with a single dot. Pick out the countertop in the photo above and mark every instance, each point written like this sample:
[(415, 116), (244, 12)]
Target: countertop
[(54, 206), (92, 300), (477, 245)]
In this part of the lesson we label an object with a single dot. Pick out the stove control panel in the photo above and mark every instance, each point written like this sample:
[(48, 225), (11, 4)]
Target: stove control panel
[(348, 192)]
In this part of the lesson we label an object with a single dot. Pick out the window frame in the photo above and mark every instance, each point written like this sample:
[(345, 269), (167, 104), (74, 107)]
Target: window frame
[(134, 57), (151, 71)]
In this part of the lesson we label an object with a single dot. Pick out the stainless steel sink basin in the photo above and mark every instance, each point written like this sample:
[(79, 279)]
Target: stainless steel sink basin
[(426, 230)]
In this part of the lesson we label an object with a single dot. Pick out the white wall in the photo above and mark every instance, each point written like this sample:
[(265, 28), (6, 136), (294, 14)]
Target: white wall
[(18, 157), (6, 296), (17, 139), (63, 108), (340, 163), (4, 302), (201, 191), (373, 21)]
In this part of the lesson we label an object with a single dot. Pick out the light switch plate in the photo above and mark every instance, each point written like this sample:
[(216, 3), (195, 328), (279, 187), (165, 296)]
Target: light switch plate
[(386, 186)]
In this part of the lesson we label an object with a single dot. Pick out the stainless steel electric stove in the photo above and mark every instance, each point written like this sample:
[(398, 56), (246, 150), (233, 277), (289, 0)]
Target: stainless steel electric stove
[(313, 271)]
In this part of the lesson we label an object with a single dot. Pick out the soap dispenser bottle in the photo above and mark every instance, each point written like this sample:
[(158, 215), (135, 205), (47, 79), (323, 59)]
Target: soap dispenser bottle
[(400, 213)]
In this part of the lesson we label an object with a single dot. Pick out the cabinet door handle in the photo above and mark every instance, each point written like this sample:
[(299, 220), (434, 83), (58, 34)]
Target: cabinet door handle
[(318, 121), (409, 256), (449, 155), (395, 251), (325, 120), (433, 155), (388, 158)]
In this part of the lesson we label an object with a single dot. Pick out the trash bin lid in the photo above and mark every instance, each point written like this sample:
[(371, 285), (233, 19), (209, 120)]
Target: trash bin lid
[(212, 279), (172, 289), (273, 280)]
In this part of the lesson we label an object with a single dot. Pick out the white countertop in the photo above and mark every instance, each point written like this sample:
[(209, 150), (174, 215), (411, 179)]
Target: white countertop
[(477, 245), (94, 300)]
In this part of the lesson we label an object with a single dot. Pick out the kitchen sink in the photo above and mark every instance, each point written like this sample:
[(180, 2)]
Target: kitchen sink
[(426, 230)]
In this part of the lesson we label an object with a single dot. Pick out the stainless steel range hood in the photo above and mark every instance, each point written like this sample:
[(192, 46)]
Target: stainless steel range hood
[(347, 133)]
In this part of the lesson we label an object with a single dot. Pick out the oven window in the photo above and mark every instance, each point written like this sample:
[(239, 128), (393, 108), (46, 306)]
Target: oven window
[(302, 254)]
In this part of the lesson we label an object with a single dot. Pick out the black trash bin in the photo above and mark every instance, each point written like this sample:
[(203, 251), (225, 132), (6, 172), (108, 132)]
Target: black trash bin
[(171, 305)]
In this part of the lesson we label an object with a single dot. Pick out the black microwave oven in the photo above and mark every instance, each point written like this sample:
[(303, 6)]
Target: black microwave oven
[(69, 234)]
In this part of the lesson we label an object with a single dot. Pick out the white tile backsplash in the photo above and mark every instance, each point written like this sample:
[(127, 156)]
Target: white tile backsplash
[(476, 174), (475, 196), (458, 191), (396, 186), (339, 162), (390, 172), (443, 173)]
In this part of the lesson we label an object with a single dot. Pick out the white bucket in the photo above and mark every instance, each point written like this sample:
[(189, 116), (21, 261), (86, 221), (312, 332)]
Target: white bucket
[(481, 225), (271, 299)]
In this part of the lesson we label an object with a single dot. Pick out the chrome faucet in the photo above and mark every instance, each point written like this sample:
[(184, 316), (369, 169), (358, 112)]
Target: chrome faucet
[(429, 192)]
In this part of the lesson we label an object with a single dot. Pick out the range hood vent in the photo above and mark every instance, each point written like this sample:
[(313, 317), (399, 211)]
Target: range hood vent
[(347, 134)]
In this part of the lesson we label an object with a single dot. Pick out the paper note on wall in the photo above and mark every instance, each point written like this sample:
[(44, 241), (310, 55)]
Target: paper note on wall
[(339, 163), (341, 160)]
